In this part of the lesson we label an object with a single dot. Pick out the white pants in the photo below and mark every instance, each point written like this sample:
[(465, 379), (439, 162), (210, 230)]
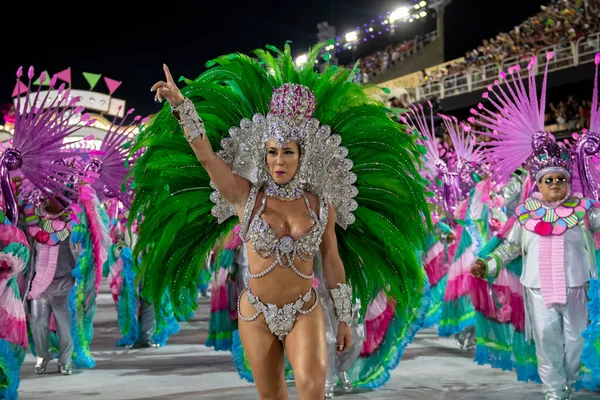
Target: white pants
[(558, 341)]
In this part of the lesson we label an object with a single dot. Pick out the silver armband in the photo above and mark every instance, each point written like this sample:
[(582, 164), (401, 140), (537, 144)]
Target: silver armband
[(189, 118), (342, 302)]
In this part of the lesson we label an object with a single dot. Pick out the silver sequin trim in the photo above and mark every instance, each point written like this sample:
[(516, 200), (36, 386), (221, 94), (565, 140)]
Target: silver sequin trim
[(280, 320), (342, 301), (189, 118)]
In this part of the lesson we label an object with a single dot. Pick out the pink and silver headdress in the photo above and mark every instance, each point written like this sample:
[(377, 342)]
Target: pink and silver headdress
[(517, 127), (43, 122), (323, 168), (469, 160), (444, 182)]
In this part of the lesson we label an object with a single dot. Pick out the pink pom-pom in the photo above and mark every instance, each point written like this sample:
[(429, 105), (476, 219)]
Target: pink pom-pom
[(511, 70), (61, 88), (137, 118), (485, 95), (597, 58), (517, 67), (549, 55), (31, 72), (490, 87), (85, 117), (78, 109), (53, 81), (43, 76), (480, 106), (421, 107), (466, 127), (497, 82), (20, 72), (131, 110), (471, 120), (145, 120), (90, 122), (454, 119), (76, 208), (403, 119), (502, 74)]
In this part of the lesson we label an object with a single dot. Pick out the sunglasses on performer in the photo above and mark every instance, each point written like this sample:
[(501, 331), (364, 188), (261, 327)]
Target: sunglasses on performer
[(560, 181)]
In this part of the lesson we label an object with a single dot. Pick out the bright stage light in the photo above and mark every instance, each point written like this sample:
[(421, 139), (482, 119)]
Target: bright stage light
[(351, 36), (301, 60), (400, 13)]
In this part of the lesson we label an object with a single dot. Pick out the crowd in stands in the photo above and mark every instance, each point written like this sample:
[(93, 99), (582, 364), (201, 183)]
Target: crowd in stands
[(571, 114), (562, 21), (375, 64)]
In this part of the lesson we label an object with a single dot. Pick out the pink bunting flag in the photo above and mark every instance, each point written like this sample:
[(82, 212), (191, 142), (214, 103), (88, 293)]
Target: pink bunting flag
[(64, 75), (20, 87), (112, 84)]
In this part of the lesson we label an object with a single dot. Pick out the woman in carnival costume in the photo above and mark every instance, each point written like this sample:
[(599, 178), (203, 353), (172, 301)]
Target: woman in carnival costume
[(36, 145), (141, 324), (14, 257), (440, 242), (288, 180), (66, 227), (457, 181), (552, 231)]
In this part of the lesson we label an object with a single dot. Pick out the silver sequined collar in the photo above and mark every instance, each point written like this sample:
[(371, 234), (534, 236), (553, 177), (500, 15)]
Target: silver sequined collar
[(293, 190)]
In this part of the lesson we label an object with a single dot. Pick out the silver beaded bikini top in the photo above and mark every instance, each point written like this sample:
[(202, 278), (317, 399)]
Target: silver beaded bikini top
[(266, 243)]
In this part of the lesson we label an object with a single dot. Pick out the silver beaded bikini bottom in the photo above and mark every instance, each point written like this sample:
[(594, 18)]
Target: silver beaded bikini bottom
[(280, 320)]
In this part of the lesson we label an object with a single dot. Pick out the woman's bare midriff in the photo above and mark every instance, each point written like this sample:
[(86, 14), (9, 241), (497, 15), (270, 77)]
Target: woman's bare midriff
[(281, 286)]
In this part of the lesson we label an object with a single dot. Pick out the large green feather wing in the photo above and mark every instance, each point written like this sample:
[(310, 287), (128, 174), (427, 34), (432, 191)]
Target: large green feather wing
[(172, 189)]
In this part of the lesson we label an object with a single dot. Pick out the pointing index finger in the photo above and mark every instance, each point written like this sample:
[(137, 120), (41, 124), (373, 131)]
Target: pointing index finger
[(168, 74)]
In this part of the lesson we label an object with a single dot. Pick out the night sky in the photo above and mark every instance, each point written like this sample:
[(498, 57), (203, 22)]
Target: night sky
[(129, 43)]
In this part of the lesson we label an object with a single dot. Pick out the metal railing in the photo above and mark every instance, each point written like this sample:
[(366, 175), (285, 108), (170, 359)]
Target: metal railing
[(566, 55)]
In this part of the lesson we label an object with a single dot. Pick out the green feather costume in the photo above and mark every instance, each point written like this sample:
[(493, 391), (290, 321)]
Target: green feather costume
[(173, 191)]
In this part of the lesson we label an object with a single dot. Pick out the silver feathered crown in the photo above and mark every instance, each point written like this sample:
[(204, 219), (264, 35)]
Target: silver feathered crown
[(323, 168)]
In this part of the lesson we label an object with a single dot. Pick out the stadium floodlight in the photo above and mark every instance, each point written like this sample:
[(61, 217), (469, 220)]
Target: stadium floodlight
[(423, 3), (301, 60), (423, 14), (400, 13), (351, 36)]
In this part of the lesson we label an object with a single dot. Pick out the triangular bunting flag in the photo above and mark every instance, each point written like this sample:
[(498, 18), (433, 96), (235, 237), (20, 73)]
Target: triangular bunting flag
[(112, 84), (64, 75), (45, 83), (20, 87), (92, 79)]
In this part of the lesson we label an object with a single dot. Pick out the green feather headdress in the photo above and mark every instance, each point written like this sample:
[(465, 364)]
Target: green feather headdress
[(380, 249)]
